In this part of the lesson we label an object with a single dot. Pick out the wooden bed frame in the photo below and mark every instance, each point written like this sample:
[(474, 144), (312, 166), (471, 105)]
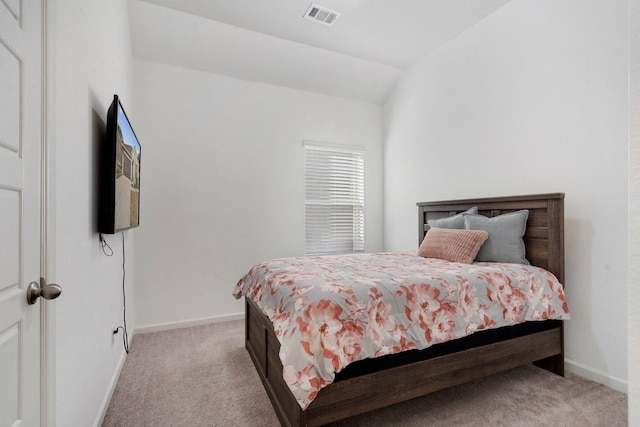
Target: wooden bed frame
[(376, 383)]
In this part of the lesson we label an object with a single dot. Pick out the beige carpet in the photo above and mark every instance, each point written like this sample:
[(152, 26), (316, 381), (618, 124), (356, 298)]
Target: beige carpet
[(203, 376)]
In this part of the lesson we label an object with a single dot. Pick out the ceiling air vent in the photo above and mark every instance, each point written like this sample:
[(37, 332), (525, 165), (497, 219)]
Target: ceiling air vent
[(321, 14)]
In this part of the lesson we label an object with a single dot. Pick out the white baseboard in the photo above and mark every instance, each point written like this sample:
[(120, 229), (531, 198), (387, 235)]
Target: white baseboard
[(112, 386), (188, 323), (596, 375)]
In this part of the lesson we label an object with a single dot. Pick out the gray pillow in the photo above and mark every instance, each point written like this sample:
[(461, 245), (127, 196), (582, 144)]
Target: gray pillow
[(456, 221), (505, 242)]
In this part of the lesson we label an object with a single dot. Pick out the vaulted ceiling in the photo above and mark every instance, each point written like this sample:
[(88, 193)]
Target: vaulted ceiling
[(361, 56)]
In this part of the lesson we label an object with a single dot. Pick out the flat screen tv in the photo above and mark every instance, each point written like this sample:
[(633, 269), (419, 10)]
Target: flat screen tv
[(119, 174)]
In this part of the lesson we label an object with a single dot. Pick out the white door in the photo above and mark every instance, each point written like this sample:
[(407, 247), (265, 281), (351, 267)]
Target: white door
[(20, 173)]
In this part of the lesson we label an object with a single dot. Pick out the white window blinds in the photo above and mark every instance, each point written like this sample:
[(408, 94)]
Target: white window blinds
[(334, 199)]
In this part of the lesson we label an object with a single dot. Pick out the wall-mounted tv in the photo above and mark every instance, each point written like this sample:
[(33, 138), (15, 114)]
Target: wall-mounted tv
[(119, 174)]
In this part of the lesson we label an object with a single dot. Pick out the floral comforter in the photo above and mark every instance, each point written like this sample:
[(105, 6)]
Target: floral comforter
[(329, 311)]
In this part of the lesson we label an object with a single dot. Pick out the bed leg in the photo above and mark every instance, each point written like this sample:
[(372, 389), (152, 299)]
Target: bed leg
[(553, 364)]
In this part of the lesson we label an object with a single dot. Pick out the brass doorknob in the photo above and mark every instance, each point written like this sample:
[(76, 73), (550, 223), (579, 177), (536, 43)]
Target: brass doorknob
[(34, 291)]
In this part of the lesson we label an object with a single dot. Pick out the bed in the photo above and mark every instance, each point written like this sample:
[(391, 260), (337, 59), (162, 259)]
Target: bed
[(374, 383)]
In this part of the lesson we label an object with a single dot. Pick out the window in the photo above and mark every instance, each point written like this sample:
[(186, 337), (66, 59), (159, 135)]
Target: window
[(334, 199)]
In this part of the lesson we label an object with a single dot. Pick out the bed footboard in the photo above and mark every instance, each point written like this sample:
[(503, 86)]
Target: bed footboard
[(263, 347)]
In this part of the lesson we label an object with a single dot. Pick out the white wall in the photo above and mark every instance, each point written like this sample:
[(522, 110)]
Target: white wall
[(93, 60), (634, 215), (222, 184), (533, 99)]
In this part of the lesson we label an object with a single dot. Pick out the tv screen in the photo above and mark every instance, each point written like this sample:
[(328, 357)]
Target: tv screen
[(120, 173)]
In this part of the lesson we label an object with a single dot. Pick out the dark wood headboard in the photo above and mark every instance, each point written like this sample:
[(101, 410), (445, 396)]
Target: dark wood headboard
[(544, 238)]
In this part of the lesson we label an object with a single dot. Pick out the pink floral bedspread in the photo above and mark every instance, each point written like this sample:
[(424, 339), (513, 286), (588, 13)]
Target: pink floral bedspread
[(329, 311)]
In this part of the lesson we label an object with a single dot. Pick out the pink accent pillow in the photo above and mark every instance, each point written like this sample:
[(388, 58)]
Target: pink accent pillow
[(452, 244)]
